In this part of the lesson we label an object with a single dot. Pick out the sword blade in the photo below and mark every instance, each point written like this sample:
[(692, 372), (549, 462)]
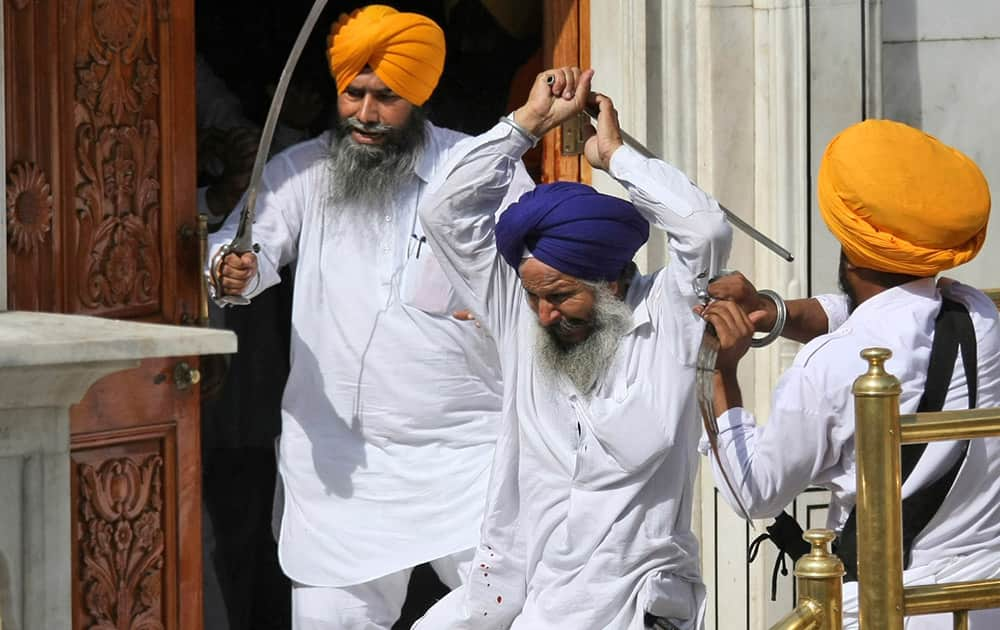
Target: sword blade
[(243, 241), (705, 383), (748, 229)]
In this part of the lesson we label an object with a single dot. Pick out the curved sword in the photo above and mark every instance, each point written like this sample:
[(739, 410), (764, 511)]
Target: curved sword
[(243, 241), (708, 352)]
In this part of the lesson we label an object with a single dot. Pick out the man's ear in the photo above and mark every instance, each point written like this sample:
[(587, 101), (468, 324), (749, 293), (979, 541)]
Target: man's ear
[(620, 286)]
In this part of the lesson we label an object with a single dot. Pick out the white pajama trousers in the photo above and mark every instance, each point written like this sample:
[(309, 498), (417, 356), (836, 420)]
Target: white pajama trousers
[(373, 605)]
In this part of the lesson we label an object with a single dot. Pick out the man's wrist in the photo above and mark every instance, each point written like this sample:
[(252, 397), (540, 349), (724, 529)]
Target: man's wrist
[(777, 325), (770, 307), (726, 373), (529, 121)]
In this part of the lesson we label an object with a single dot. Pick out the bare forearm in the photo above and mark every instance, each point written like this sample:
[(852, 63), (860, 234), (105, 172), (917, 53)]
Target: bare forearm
[(806, 320), (727, 390)]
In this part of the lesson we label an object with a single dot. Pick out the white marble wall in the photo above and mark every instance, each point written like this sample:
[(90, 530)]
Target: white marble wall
[(940, 68), (35, 519), (744, 96), (717, 87)]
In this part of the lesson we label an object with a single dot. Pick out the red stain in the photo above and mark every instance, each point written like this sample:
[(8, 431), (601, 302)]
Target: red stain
[(499, 599)]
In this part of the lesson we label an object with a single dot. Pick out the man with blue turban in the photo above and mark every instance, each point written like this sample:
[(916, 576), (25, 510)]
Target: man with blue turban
[(588, 515)]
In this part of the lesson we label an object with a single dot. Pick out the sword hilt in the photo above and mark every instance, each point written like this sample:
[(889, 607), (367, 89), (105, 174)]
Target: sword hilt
[(216, 267)]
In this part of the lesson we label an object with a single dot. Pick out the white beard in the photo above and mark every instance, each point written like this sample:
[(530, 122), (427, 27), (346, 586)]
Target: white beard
[(365, 180), (585, 362)]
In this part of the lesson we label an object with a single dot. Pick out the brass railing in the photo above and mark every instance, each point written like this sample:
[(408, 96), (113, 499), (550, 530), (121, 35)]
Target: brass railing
[(879, 432), (819, 574)]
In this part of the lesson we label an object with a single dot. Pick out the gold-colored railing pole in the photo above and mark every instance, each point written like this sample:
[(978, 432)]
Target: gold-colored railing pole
[(805, 616), (820, 578), (960, 620), (880, 526)]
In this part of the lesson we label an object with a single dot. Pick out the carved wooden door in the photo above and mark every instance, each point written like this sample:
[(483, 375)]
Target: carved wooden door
[(100, 211)]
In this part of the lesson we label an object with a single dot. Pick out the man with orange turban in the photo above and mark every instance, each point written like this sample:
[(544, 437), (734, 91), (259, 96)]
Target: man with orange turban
[(391, 409), (905, 207)]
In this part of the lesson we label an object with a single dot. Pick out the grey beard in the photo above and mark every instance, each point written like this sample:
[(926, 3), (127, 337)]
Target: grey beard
[(585, 362), (365, 179)]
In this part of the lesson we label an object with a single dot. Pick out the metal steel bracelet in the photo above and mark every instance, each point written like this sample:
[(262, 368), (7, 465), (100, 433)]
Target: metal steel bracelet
[(509, 119), (779, 320)]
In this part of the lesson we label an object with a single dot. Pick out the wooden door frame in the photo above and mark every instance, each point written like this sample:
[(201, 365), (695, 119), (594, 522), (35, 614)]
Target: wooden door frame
[(565, 42)]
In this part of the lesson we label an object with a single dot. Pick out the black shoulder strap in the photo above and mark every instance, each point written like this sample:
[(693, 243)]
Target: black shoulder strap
[(953, 330)]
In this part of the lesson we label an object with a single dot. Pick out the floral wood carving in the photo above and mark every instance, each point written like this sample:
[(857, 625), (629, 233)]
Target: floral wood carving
[(122, 544), (118, 153), (29, 207)]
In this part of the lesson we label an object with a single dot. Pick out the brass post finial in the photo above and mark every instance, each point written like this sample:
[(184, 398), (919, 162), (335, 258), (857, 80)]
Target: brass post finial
[(819, 538), (819, 563), (876, 381), (876, 358)]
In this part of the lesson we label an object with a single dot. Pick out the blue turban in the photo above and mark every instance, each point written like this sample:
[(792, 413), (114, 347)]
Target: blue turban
[(572, 228)]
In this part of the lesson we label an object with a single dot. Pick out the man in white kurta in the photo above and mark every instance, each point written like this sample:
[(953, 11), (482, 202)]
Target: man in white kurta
[(391, 409), (809, 436), (588, 522)]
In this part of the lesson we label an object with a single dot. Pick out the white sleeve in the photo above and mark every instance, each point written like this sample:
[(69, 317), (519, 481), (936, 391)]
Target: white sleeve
[(698, 238), (836, 308), (279, 211), (698, 234), (459, 217), (771, 464)]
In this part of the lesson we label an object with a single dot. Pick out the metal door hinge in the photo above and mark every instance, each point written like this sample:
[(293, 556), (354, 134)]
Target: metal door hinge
[(572, 134)]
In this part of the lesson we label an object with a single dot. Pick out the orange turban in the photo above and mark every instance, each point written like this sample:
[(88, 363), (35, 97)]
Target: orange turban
[(901, 201), (405, 50)]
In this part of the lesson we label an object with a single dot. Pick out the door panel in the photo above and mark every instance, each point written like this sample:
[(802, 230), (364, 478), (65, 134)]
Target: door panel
[(136, 471), (101, 221)]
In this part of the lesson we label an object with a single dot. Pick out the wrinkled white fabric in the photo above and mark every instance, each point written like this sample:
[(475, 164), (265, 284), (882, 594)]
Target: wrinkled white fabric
[(391, 408), (373, 605), (588, 522), (809, 436)]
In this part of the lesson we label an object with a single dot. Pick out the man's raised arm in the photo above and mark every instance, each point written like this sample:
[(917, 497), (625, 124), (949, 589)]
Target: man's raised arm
[(699, 235), (459, 216)]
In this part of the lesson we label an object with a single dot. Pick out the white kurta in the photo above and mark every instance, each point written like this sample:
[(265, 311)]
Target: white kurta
[(809, 437), (391, 409), (588, 524)]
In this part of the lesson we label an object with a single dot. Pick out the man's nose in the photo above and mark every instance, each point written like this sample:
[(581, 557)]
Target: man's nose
[(369, 110), (548, 314)]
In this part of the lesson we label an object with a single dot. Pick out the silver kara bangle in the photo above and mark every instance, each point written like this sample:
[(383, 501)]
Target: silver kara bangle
[(509, 119), (779, 321)]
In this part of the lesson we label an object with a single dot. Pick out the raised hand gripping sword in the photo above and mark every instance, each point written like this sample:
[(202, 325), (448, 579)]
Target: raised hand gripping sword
[(243, 241), (708, 352)]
